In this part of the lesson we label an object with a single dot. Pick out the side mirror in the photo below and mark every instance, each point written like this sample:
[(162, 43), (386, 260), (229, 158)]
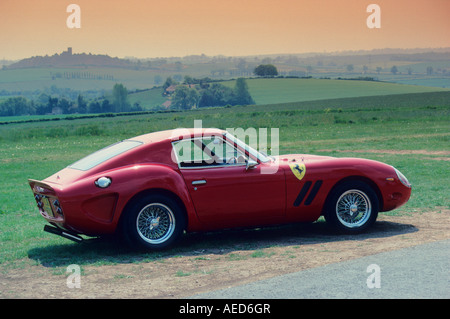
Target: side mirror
[(250, 164)]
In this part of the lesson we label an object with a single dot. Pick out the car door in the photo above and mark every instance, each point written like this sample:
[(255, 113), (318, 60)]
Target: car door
[(225, 192)]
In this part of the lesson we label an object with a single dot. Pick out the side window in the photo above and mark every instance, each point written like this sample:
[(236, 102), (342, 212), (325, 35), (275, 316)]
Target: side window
[(187, 152), (208, 151)]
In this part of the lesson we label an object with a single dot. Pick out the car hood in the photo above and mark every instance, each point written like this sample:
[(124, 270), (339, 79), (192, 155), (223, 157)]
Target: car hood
[(335, 162), (302, 158)]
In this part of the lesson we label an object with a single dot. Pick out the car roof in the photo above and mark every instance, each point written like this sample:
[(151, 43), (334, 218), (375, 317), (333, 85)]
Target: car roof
[(176, 134)]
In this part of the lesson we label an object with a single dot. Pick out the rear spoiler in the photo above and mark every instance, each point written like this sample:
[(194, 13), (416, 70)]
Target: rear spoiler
[(41, 187)]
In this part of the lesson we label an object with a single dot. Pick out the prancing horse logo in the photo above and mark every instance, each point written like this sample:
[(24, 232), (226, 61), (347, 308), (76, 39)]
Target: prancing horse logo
[(299, 170)]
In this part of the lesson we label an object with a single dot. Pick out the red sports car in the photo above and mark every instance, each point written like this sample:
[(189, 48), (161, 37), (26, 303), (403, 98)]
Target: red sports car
[(153, 187)]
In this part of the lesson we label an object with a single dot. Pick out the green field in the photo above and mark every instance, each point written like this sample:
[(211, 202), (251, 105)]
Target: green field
[(271, 91), (335, 125), (43, 78), (29, 82), (149, 99)]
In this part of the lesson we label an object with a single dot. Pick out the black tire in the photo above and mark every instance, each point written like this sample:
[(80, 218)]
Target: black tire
[(352, 207), (153, 222)]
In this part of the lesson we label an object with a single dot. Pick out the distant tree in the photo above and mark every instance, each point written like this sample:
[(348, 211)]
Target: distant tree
[(169, 81), (207, 98), (52, 103), (394, 70), (188, 79), (266, 70), (365, 69), (65, 105), (378, 69), (14, 106), (350, 67), (42, 98), (107, 107), (95, 107), (216, 95), (82, 104), (179, 100), (136, 107), (43, 108), (184, 98), (242, 95), (120, 98), (193, 97), (429, 70)]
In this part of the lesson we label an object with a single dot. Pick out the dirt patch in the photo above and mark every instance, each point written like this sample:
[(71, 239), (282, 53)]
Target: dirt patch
[(438, 158), (271, 252)]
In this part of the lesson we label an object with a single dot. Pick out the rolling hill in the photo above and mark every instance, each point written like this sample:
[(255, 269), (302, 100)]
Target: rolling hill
[(283, 90)]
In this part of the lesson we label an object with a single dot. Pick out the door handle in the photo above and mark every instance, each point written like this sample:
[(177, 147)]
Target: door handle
[(199, 182)]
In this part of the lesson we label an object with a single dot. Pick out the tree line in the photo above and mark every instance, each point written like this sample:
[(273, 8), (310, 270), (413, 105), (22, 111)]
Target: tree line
[(192, 94), (48, 104), (82, 75)]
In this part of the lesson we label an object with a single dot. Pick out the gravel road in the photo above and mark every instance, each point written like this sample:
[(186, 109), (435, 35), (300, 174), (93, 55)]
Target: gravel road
[(416, 272)]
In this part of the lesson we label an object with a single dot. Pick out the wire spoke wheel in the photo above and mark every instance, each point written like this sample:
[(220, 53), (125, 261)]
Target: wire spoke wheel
[(155, 223), (353, 208)]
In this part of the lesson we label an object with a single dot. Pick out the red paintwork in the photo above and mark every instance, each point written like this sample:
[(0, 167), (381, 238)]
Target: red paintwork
[(232, 197)]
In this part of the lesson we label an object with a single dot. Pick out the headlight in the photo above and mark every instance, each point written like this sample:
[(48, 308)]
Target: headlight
[(402, 178), (103, 182)]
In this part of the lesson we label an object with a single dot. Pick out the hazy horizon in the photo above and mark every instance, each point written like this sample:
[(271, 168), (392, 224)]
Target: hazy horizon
[(176, 28), (331, 53)]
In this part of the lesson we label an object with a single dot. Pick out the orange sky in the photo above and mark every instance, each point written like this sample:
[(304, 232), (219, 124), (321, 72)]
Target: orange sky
[(163, 28)]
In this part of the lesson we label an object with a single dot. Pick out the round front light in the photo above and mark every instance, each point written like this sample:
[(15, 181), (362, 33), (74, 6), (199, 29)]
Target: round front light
[(402, 178), (103, 182)]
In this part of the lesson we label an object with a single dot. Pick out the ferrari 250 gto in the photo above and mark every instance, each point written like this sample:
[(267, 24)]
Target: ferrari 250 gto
[(154, 187)]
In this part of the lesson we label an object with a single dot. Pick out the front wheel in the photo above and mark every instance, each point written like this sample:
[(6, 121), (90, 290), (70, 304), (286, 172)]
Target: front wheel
[(153, 222), (352, 207)]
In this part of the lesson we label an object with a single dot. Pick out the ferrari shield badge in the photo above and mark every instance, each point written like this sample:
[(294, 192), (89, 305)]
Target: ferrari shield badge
[(299, 170)]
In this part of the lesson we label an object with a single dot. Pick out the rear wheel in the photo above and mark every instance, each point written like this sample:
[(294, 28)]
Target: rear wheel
[(153, 222), (352, 207)]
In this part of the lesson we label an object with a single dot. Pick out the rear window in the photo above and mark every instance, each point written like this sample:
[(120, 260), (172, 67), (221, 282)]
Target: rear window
[(104, 154)]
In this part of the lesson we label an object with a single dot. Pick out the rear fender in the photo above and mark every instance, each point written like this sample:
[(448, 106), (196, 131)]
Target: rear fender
[(139, 180)]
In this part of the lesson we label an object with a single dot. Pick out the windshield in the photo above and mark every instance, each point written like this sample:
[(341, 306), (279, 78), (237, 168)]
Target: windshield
[(104, 154), (254, 153)]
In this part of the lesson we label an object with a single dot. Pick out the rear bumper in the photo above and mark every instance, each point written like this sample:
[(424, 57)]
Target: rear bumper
[(47, 202), (50, 209), (88, 214)]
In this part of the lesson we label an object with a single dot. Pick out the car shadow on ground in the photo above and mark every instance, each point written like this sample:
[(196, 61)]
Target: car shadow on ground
[(286, 235), (110, 251)]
